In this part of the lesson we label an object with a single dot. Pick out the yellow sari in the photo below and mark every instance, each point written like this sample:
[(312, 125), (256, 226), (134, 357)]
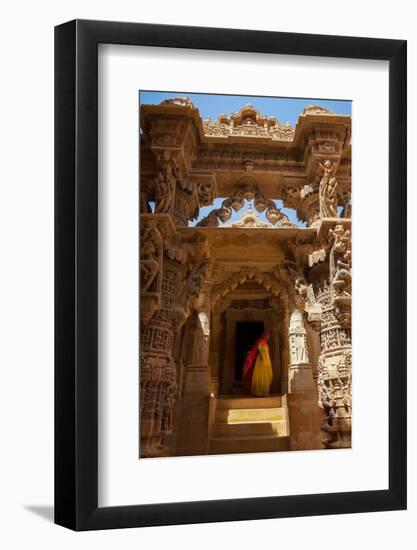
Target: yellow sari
[(262, 373)]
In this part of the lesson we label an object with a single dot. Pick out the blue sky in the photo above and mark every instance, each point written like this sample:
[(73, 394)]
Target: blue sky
[(283, 108)]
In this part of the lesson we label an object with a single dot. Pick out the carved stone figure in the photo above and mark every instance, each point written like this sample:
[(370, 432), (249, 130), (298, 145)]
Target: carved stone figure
[(165, 183), (151, 256), (341, 261), (306, 291), (327, 190), (195, 280)]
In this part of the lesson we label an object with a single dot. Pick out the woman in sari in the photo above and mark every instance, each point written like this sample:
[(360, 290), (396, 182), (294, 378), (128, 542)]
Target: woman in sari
[(257, 368)]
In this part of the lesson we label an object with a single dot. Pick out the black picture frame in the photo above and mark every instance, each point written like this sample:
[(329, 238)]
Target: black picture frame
[(76, 272)]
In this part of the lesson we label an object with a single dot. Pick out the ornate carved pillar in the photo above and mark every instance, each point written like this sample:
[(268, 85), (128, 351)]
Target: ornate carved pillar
[(276, 316), (285, 361), (334, 373), (217, 343), (335, 361), (304, 414), (300, 372), (171, 277), (158, 369), (192, 437)]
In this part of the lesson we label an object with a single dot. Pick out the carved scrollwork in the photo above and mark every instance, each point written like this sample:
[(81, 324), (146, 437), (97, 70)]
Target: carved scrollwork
[(267, 280), (249, 190)]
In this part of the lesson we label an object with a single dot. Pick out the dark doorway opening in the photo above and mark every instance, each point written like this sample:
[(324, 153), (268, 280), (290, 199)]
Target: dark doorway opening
[(247, 332)]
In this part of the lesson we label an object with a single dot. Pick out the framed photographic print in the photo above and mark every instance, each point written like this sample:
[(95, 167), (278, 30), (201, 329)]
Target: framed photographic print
[(230, 275)]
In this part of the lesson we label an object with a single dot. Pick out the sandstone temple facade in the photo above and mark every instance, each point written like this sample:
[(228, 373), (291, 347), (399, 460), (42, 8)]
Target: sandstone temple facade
[(208, 290)]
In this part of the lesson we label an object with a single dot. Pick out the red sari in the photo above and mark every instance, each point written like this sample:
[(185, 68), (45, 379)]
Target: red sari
[(257, 369)]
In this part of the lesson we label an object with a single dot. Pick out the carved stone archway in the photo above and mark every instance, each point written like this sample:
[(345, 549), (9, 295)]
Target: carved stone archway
[(229, 308)]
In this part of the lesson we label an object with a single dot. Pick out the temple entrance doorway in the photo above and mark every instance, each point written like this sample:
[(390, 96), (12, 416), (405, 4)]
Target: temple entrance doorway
[(247, 332)]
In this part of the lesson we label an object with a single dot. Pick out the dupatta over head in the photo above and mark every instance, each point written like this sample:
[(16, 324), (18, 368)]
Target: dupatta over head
[(249, 364)]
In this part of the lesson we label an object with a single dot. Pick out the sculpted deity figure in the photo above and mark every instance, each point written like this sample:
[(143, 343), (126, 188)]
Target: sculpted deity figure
[(306, 291), (150, 253), (195, 280), (165, 183), (328, 403), (327, 190), (347, 395), (297, 339), (342, 280), (341, 261)]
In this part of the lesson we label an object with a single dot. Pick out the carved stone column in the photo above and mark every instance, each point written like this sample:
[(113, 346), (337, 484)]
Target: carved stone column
[(192, 437), (285, 361), (304, 414), (300, 372), (276, 316), (158, 370), (334, 379), (335, 361)]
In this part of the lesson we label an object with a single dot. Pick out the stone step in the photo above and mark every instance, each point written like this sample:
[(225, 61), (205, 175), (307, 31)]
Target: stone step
[(224, 429), (248, 402), (251, 444), (251, 415)]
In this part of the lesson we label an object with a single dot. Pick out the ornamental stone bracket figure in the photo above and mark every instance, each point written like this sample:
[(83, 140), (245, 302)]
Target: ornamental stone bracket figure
[(340, 272), (165, 183), (197, 273), (175, 194), (327, 190), (304, 296), (311, 307), (319, 198)]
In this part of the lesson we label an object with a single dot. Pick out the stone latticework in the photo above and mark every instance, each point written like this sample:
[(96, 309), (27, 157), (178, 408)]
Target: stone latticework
[(200, 284)]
